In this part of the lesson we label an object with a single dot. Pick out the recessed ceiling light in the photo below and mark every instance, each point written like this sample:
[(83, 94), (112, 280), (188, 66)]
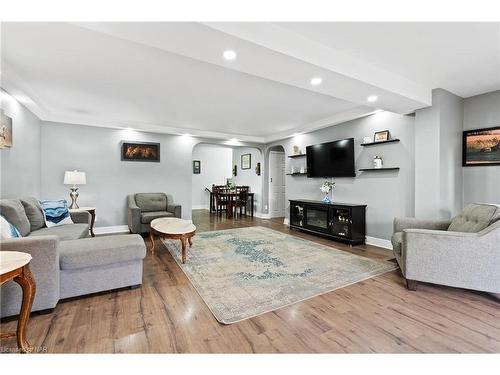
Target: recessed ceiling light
[(316, 81), (229, 55), (372, 98)]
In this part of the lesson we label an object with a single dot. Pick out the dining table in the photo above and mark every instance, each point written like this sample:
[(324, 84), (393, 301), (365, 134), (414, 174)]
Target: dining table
[(232, 196)]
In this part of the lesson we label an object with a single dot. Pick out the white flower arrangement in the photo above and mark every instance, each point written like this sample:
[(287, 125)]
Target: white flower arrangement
[(327, 187)]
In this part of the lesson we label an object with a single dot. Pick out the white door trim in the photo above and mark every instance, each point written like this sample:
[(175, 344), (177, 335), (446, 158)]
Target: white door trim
[(270, 186)]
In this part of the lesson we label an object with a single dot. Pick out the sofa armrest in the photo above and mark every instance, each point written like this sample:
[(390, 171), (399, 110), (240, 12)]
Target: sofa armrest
[(411, 223), (133, 215), (45, 268), (82, 217), (174, 208), (466, 260)]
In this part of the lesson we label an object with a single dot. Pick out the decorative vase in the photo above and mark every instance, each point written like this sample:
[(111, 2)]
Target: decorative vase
[(327, 199)]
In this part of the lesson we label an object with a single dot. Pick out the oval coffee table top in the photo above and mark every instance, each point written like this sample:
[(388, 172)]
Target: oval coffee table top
[(170, 225), (11, 260)]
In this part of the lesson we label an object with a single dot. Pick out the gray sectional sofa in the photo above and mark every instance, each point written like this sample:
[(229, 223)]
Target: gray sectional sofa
[(66, 261), (461, 252)]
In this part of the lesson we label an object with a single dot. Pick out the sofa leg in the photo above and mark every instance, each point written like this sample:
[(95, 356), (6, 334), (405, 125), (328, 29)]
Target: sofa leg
[(45, 312), (411, 284), (134, 286)]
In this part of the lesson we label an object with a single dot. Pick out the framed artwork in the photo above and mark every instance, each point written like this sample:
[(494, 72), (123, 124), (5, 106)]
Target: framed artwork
[(481, 147), (5, 130), (140, 151), (196, 166), (381, 136), (246, 161)]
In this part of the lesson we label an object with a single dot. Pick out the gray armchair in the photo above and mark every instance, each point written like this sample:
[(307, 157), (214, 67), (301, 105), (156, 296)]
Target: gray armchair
[(463, 252), (145, 207)]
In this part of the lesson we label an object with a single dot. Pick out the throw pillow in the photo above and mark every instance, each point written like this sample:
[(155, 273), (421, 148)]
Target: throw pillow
[(7, 230), (34, 213), (55, 212)]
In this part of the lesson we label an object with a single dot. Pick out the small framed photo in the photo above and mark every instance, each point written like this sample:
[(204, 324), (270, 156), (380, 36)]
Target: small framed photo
[(196, 166), (381, 136), (246, 161), (5, 130)]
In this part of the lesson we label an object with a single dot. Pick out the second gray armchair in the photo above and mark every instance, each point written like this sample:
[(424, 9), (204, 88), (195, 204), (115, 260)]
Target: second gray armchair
[(145, 207)]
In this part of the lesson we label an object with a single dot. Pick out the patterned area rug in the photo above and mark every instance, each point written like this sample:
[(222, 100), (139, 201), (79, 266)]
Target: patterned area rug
[(241, 273)]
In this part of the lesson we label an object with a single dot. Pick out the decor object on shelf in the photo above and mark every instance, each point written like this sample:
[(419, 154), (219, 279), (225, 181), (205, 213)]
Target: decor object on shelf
[(481, 147), (381, 136), (246, 161), (235, 170), (5, 130), (302, 169), (367, 140), (74, 178), (140, 151), (257, 169), (461, 252), (56, 212), (377, 162), (326, 188), (196, 166), (255, 265), (297, 150)]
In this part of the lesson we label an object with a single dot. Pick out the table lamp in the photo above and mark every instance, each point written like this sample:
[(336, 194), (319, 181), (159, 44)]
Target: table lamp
[(74, 178)]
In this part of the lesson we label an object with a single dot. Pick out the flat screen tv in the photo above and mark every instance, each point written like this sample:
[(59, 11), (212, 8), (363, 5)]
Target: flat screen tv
[(332, 159)]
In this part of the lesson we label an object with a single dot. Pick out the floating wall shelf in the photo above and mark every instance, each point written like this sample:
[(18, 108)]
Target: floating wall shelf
[(297, 174), (297, 156), (380, 142), (379, 169)]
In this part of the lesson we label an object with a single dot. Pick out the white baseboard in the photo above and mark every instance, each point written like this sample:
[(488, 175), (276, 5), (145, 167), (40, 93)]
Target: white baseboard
[(286, 221), (200, 207), (261, 215), (380, 242), (112, 229)]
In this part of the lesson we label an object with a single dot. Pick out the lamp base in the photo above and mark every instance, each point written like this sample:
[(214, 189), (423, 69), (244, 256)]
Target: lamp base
[(73, 195)]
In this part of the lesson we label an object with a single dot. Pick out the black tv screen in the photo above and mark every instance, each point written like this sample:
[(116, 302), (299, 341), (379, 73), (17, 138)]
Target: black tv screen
[(332, 159)]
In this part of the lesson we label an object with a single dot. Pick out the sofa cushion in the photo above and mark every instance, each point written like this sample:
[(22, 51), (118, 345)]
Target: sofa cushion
[(101, 251), (151, 201), (397, 242), (56, 212), (474, 218), (7, 230), (64, 232), (34, 213), (13, 211), (147, 217)]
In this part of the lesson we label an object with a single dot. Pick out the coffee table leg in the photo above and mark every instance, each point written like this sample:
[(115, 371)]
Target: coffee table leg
[(190, 239), (152, 237), (28, 286), (183, 242)]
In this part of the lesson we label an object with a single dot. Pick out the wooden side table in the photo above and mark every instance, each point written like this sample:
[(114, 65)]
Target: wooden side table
[(14, 266), (91, 211)]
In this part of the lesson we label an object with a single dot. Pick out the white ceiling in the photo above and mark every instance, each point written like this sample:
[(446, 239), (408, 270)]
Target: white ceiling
[(171, 77)]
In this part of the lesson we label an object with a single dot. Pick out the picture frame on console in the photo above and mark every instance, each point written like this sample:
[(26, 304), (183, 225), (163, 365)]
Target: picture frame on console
[(140, 151), (481, 147)]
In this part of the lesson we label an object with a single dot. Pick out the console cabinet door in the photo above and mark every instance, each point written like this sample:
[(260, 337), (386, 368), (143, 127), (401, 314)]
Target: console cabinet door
[(317, 218), (340, 222)]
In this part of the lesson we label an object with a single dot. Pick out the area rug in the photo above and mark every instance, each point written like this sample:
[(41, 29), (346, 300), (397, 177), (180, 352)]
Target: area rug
[(244, 272)]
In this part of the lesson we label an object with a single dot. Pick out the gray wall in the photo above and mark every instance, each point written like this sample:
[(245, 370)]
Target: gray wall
[(248, 177), (481, 184), (20, 164), (438, 157), (387, 194), (97, 152)]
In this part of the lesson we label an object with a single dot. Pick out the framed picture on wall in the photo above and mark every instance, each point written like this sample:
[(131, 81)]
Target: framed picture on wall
[(196, 166), (246, 161), (381, 136), (481, 147), (140, 151), (5, 130)]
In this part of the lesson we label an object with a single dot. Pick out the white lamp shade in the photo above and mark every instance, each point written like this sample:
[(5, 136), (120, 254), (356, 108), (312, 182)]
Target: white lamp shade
[(74, 178)]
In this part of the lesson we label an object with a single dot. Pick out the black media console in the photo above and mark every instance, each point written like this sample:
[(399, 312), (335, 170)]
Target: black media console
[(339, 221)]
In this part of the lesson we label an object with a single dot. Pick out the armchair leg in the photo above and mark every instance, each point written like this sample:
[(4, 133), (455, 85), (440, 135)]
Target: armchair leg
[(411, 284)]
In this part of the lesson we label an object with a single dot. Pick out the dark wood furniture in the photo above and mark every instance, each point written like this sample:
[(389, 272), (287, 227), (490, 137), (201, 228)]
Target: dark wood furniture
[(343, 222), (175, 229), (222, 194), (91, 211), (22, 275)]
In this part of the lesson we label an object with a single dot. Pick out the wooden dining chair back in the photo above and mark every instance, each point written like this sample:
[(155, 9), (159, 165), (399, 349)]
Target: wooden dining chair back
[(242, 199)]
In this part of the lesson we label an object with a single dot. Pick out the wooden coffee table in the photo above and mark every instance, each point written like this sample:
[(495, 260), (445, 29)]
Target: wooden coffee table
[(14, 266), (176, 229)]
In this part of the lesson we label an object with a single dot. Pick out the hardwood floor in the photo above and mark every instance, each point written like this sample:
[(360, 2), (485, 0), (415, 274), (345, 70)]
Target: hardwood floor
[(166, 315)]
